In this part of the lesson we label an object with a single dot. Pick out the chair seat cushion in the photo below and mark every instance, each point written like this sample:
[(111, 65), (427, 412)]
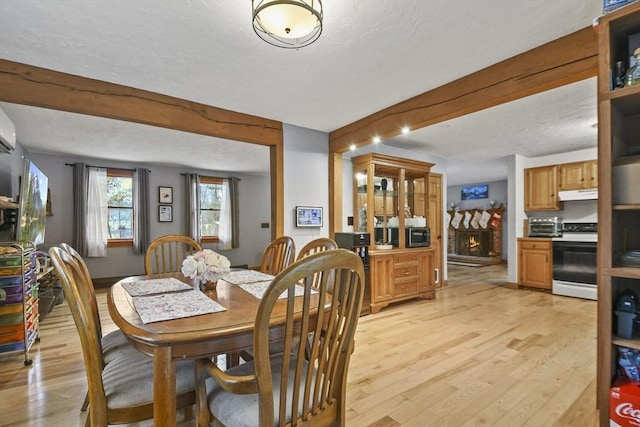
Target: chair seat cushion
[(242, 410), (114, 345), (128, 380)]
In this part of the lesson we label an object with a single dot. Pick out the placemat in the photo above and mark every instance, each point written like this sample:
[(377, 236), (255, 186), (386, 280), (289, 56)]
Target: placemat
[(177, 305), (258, 289), (155, 286), (239, 277)]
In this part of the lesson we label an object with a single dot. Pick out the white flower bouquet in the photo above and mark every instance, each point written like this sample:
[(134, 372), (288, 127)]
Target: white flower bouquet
[(205, 265)]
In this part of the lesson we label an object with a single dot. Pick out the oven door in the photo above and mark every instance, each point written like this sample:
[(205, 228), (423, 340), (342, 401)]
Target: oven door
[(575, 262)]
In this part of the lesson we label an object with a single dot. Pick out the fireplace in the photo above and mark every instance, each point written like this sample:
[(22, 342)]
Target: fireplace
[(474, 243)]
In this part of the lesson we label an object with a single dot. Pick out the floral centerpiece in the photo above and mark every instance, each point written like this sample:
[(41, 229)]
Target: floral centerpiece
[(206, 265)]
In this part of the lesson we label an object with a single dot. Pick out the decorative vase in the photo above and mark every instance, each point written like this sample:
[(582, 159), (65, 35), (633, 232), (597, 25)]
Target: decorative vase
[(383, 184), (208, 284)]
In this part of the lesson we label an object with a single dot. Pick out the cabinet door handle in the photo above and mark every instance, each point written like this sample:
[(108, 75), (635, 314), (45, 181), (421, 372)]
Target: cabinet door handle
[(437, 275)]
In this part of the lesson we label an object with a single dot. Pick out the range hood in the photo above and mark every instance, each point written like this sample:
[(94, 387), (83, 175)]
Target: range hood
[(590, 194)]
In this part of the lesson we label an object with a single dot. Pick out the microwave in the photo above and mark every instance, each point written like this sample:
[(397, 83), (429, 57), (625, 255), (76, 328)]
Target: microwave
[(415, 237)]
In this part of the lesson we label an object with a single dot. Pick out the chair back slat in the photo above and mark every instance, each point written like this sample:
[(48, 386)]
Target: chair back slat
[(166, 253), (278, 255), (317, 245), (312, 385)]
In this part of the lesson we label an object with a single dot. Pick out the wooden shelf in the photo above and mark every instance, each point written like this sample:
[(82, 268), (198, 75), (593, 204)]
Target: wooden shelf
[(631, 343), (626, 207), (8, 205), (624, 272)]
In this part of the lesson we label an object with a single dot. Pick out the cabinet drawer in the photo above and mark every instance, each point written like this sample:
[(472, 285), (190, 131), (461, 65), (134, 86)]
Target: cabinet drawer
[(11, 309), (407, 270), (542, 245), (405, 258), (12, 337), (402, 287)]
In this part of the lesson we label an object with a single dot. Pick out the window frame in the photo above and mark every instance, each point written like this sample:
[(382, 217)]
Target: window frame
[(122, 173), (208, 180)]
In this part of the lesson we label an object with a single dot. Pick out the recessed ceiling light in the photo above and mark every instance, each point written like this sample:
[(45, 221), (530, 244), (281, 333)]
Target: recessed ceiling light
[(405, 130), (376, 139), (352, 147)]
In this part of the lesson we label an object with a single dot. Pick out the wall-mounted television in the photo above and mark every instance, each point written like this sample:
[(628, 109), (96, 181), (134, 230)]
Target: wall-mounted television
[(473, 192), (32, 212), (308, 216)]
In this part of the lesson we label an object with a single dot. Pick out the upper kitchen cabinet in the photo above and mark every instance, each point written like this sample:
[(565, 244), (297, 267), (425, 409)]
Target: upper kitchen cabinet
[(578, 175), (541, 188)]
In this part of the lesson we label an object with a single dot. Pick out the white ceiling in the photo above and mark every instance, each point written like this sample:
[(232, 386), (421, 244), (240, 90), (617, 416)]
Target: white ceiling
[(372, 54)]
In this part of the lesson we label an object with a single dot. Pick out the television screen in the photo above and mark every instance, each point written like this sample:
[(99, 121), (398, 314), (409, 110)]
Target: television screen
[(473, 192), (33, 204), (308, 216)]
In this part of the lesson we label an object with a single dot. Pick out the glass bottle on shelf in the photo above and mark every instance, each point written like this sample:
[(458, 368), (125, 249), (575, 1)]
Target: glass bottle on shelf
[(633, 73)]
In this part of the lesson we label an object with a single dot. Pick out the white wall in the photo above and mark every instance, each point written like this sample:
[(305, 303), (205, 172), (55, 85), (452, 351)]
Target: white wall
[(306, 180)]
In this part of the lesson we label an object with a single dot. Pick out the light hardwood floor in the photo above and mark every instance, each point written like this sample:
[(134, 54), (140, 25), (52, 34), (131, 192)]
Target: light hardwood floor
[(481, 354)]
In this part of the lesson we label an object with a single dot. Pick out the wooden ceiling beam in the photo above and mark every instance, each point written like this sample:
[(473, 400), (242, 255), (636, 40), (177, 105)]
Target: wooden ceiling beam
[(563, 61), (41, 87)]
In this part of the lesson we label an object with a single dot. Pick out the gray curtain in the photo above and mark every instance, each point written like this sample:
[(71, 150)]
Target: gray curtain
[(235, 211), (193, 205), (141, 203), (79, 207)]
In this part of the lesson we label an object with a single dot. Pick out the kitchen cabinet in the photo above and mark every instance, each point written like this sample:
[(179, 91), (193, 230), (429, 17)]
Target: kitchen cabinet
[(618, 230), (535, 262), (19, 309), (541, 188), (401, 274), (578, 175)]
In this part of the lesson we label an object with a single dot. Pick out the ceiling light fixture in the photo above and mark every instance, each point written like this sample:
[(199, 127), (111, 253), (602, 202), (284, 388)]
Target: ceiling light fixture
[(290, 24), (405, 130), (376, 139)]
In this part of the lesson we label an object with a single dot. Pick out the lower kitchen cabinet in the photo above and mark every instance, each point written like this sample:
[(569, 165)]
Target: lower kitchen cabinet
[(401, 274), (535, 262)]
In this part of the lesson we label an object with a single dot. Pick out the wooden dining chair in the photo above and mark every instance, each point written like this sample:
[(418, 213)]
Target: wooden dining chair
[(317, 245), (166, 253), (289, 388), (115, 343), (278, 255), (122, 390)]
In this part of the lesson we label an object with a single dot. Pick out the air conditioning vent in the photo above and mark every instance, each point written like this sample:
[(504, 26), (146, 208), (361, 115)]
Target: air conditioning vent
[(7, 133)]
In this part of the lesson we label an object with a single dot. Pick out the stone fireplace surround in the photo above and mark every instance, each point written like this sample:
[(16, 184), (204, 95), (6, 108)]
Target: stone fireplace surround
[(462, 241)]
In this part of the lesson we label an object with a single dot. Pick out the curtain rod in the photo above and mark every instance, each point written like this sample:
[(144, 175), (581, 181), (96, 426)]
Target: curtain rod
[(106, 167), (220, 177)]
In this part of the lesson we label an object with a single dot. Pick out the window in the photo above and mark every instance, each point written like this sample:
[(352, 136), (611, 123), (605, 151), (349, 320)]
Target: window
[(211, 198), (120, 202)]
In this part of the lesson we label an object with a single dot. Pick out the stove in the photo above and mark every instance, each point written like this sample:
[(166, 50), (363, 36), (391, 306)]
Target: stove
[(578, 232), (575, 260)]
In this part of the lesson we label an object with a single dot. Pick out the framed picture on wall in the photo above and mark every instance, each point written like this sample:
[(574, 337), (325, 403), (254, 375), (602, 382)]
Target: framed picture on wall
[(165, 194), (165, 213)]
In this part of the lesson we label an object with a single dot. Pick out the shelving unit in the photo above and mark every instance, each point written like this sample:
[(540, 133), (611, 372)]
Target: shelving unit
[(397, 189), (19, 311), (618, 225)]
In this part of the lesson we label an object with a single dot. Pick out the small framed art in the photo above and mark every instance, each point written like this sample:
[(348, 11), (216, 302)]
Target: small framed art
[(165, 213), (165, 194)]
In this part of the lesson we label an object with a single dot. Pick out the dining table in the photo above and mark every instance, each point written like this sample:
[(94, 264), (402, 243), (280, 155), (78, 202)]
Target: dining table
[(193, 337)]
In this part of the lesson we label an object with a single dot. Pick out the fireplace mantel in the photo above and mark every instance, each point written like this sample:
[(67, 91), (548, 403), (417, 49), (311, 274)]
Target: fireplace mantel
[(483, 225)]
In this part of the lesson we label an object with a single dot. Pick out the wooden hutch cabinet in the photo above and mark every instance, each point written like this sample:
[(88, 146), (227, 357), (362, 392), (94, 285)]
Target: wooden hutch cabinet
[(398, 190), (619, 198), (541, 188)]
